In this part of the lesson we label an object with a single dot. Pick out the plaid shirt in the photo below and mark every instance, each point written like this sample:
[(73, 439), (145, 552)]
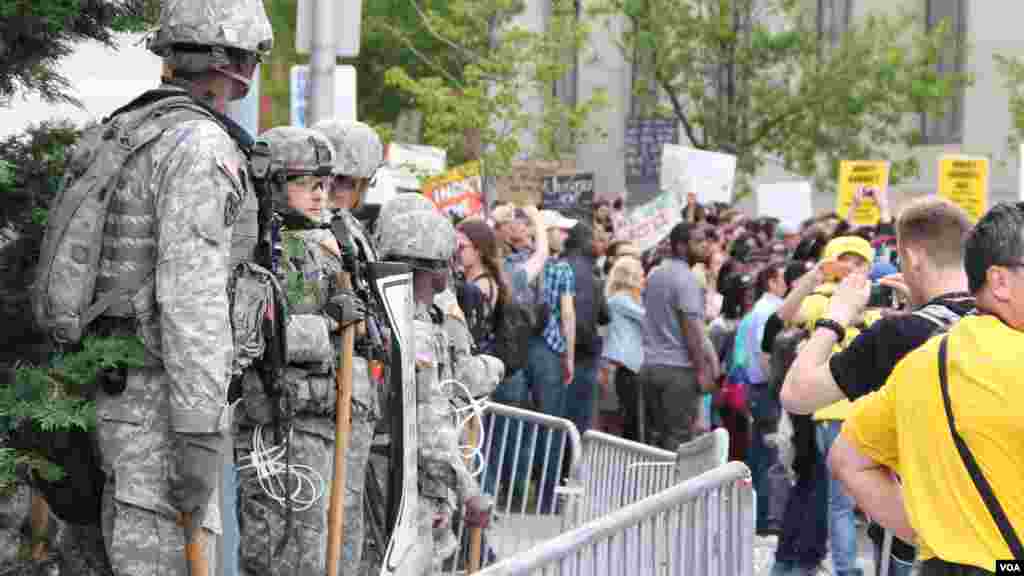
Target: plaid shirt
[(558, 281)]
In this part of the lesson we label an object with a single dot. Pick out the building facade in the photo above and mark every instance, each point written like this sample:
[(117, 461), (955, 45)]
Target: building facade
[(978, 122)]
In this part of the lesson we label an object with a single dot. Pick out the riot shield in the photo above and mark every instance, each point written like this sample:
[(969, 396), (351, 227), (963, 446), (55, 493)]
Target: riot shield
[(405, 550)]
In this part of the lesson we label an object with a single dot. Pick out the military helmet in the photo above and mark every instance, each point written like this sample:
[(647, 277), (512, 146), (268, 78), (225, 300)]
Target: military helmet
[(411, 228), (359, 149), (299, 150), (237, 24)]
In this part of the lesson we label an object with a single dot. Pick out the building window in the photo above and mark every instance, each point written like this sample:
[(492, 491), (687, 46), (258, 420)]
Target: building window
[(947, 128), (566, 88), (833, 21)]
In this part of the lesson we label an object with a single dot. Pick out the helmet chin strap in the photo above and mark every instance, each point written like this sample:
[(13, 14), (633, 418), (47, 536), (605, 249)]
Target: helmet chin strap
[(246, 83)]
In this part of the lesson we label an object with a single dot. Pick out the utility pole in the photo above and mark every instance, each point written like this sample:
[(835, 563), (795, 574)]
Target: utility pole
[(323, 59)]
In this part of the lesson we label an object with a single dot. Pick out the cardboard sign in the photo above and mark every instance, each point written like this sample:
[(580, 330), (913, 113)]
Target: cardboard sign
[(963, 180), (647, 224), (572, 195), (790, 202), (710, 174), (854, 177), (458, 192)]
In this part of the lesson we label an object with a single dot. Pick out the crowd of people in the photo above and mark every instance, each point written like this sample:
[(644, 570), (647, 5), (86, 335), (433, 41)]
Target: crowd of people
[(772, 331)]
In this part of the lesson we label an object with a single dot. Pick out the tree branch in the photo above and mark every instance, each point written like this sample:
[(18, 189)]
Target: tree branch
[(423, 57), (677, 107), (450, 43)]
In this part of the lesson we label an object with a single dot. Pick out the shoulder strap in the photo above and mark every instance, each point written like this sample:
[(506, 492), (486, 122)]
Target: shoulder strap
[(984, 488), (163, 118)]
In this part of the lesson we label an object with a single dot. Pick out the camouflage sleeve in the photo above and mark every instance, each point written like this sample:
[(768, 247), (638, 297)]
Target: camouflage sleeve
[(479, 373), (200, 188)]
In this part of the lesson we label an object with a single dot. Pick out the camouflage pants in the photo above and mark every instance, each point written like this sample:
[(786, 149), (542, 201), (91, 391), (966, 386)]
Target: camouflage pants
[(263, 521), (141, 542), (137, 453)]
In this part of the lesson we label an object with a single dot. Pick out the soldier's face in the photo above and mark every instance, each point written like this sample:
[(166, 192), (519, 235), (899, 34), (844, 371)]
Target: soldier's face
[(306, 194)]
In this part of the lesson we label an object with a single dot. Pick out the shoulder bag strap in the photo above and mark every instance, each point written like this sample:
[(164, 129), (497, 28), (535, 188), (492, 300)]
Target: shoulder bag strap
[(994, 508)]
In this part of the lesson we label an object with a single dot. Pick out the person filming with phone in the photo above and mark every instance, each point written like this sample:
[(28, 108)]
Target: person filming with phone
[(930, 233)]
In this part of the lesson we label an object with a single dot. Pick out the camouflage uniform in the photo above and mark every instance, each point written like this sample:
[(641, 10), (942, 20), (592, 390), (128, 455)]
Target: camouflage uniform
[(171, 218), (308, 266), (411, 229), (358, 153)]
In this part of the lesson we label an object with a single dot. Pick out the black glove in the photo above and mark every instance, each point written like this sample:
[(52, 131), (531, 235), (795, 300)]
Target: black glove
[(199, 464), (346, 308)]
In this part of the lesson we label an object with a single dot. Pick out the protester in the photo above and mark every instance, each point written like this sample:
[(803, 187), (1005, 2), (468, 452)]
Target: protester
[(949, 406), (623, 349), (676, 368)]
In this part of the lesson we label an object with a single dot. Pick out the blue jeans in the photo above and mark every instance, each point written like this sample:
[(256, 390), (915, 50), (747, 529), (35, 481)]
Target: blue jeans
[(544, 373), (579, 406), (842, 524), (513, 391), (765, 408)]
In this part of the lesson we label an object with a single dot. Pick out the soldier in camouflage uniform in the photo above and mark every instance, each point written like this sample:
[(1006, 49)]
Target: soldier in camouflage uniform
[(413, 231), (358, 153), (160, 439), (317, 307)]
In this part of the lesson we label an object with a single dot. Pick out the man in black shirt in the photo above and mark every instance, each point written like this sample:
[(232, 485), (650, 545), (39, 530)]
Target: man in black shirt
[(930, 234)]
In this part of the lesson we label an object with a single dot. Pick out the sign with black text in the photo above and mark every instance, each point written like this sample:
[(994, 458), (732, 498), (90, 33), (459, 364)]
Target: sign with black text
[(570, 194)]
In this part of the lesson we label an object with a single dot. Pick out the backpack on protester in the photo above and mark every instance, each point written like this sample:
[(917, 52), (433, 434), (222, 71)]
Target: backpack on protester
[(63, 302), (513, 326)]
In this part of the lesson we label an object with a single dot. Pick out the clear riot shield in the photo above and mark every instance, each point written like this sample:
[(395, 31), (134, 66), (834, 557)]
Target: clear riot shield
[(406, 551)]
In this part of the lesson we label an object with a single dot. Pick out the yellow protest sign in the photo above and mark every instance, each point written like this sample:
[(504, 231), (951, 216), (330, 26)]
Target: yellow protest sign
[(854, 177), (963, 180)]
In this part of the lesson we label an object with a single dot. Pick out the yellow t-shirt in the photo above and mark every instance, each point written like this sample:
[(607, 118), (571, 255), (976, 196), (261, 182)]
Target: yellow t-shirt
[(814, 307), (903, 426)]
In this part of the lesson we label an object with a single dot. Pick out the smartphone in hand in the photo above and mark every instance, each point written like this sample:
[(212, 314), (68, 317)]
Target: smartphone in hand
[(835, 270)]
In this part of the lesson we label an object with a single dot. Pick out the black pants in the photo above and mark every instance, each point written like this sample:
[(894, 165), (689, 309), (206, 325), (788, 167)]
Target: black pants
[(625, 389), (938, 567), (670, 398)]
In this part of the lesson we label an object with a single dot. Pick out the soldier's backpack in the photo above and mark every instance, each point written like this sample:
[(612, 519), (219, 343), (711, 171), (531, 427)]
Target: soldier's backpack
[(63, 299), (63, 302)]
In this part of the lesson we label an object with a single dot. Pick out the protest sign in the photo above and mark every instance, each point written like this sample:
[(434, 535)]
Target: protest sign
[(570, 194), (790, 202), (647, 224), (963, 180), (458, 192), (856, 176), (711, 174)]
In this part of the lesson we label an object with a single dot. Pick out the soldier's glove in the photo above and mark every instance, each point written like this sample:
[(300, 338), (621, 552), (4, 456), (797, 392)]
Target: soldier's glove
[(346, 308), (199, 464), (478, 511)]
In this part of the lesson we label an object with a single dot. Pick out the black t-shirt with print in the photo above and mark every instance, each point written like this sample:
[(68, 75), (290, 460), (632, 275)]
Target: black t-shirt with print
[(864, 365)]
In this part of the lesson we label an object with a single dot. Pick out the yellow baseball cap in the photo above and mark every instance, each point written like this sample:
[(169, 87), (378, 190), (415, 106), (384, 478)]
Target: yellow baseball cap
[(849, 245)]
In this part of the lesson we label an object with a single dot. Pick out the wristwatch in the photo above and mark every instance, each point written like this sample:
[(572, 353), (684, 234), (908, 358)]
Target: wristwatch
[(830, 324)]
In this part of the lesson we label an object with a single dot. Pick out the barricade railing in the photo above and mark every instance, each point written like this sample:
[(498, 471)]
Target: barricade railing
[(617, 472), (703, 526), (532, 472)]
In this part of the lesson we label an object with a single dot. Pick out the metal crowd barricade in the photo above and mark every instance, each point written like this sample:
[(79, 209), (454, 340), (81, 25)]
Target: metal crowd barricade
[(617, 472), (527, 454), (703, 526)]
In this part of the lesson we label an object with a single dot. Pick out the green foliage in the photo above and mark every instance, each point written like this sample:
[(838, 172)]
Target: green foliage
[(472, 70), (1012, 69), (55, 398), (754, 79), (31, 167), (36, 34)]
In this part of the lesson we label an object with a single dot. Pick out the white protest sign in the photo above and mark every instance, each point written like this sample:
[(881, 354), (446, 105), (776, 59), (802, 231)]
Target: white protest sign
[(646, 225), (790, 202), (711, 173)]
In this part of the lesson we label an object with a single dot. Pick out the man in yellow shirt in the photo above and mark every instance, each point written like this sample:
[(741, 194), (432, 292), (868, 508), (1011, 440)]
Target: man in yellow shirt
[(904, 429), (810, 299)]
